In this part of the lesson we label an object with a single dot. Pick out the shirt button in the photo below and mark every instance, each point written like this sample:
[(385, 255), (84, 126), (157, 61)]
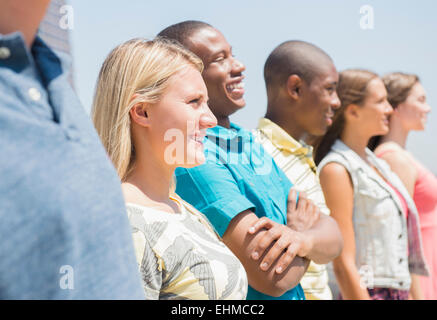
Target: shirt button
[(4, 53), (34, 94), (401, 283), (400, 236), (400, 260)]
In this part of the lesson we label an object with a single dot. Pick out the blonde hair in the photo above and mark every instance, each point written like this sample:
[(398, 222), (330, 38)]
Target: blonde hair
[(138, 67)]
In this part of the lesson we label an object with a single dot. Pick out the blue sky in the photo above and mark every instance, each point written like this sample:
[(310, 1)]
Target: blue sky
[(403, 39)]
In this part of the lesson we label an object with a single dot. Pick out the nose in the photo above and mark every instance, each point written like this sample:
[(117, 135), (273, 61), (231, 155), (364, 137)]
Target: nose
[(207, 118), (388, 108), (335, 103), (237, 66)]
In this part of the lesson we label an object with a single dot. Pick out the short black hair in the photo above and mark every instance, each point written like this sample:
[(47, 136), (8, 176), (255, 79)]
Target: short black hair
[(182, 31), (294, 57)]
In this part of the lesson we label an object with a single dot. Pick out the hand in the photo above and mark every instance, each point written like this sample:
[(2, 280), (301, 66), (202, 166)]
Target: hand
[(283, 242), (303, 216)]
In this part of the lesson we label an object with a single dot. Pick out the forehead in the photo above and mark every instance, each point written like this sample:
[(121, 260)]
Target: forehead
[(417, 90), (376, 88), (208, 41), (186, 81), (326, 74)]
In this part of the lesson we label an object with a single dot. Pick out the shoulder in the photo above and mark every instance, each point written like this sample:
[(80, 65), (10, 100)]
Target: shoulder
[(334, 170), (395, 156), (387, 147)]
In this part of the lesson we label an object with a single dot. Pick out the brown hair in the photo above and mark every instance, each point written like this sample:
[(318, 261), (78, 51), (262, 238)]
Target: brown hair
[(398, 86), (351, 89)]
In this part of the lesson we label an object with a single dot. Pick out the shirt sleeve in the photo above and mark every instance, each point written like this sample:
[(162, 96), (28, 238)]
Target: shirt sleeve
[(212, 190)]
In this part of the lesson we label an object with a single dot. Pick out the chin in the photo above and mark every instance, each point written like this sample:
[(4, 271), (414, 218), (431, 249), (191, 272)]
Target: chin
[(236, 105), (194, 159), (383, 132)]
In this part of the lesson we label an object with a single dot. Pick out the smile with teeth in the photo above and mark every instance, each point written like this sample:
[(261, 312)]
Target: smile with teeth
[(235, 86)]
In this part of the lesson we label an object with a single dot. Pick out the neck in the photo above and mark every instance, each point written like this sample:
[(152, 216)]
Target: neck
[(355, 140), (152, 177), (287, 122), (23, 17), (397, 133), (224, 122)]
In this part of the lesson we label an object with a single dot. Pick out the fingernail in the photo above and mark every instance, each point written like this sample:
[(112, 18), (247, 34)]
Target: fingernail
[(278, 269), (251, 229), (264, 266), (255, 255)]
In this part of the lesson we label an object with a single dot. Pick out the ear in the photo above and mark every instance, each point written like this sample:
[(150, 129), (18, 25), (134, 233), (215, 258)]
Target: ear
[(138, 114), (294, 86), (352, 111)]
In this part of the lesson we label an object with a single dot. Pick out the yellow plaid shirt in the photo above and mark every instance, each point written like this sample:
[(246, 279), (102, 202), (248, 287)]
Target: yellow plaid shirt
[(295, 159)]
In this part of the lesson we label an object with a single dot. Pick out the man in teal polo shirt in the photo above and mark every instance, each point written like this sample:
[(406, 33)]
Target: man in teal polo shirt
[(240, 182)]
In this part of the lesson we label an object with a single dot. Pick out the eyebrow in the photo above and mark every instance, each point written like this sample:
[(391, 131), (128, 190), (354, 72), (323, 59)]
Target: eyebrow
[(332, 83)]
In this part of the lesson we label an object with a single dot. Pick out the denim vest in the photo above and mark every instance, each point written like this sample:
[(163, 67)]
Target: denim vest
[(388, 246)]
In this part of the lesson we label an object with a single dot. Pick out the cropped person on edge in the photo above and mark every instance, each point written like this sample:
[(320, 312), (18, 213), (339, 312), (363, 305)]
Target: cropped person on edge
[(64, 231), (148, 93), (240, 182), (301, 82), (381, 245), (408, 99)]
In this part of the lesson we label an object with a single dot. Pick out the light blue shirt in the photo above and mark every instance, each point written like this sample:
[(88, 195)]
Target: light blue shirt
[(64, 231), (238, 175)]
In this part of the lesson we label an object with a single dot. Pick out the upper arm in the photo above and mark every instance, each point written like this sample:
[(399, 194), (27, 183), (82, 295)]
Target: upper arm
[(238, 239), (339, 195), (402, 166)]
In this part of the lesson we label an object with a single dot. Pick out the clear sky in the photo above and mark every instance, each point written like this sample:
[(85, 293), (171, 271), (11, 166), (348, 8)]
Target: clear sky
[(403, 38)]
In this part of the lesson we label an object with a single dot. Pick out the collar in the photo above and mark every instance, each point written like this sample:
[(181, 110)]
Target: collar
[(281, 139), (285, 142), (15, 55), (227, 133), (340, 146)]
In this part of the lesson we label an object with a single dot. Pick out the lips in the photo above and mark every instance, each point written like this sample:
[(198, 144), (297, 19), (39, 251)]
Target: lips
[(235, 89), (198, 137), (328, 118)]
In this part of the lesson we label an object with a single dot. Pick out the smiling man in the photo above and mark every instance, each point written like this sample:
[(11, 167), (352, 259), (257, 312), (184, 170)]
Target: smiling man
[(240, 182), (301, 82)]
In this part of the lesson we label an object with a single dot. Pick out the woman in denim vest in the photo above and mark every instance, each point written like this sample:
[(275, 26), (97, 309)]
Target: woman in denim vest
[(377, 217)]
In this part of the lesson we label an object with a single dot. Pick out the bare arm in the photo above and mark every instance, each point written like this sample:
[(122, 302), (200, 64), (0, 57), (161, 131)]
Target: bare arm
[(242, 243), (338, 190)]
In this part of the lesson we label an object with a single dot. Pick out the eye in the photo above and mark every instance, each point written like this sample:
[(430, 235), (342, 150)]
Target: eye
[(195, 101), (331, 89)]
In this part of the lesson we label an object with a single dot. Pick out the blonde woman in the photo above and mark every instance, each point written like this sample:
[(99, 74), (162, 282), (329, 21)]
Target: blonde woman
[(150, 110)]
